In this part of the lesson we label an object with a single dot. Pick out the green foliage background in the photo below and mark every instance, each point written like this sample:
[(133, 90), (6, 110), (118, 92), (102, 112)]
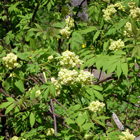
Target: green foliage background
[(30, 29)]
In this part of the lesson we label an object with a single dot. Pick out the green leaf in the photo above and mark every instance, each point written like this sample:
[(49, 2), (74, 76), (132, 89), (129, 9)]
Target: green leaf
[(96, 87), (10, 99), (134, 51), (98, 95), (19, 84), (81, 119), (87, 126), (99, 122), (52, 89), (9, 108), (112, 68), (59, 24), (23, 56), (119, 69), (76, 107), (69, 121), (124, 68), (96, 36), (3, 105), (32, 119), (102, 118), (89, 29), (46, 94)]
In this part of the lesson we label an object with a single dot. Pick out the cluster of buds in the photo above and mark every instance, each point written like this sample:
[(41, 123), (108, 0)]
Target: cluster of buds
[(57, 86), (116, 45), (69, 22), (132, 5), (70, 59), (135, 13), (96, 106), (65, 11), (65, 32), (128, 26), (85, 78), (67, 77), (50, 57), (50, 132), (110, 10), (10, 61), (127, 136)]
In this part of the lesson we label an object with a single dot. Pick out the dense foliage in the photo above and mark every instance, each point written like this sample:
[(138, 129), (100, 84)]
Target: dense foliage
[(48, 58)]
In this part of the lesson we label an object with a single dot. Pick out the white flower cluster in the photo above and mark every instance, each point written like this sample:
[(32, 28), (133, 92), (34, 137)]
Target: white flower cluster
[(85, 78), (108, 13), (96, 106), (69, 22), (116, 45), (135, 13), (50, 132), (87, 136), (120, 6), (57, 86), (127, 136), (65, 11), (70, 59), (15, 138), (110, 10), (50, 57), (67, 76), (132, 5), (65, 32), (128, 26), (10, 61)]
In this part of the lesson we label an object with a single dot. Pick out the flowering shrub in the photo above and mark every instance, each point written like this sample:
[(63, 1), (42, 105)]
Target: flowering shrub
[(44, 88)]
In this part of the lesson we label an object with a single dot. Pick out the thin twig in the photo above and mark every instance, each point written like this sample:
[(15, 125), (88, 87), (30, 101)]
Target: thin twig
[(60, 104), (6, 94), (55, 126)]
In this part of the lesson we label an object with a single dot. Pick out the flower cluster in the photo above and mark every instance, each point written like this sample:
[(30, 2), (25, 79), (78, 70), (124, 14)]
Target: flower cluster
[(87, 136), (128, 26), (65, 32), (65, 11), (96, 106), (57, 86), (50, 57), (135, 13), (69, 22), (108, 13), (110, 10), (67, 76), (50, 132), (131, 5), (16, 138), (120, 6), (85, 78), (116, 45), (10, 61), (70, 59), (127, 136)]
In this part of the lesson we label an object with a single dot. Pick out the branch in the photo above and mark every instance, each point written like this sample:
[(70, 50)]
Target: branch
[(32, 19), (60, 104), (6, 94), (55, 126), (79, 7)]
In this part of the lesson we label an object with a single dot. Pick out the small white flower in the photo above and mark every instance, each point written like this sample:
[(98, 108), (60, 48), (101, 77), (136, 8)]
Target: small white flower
[(127, 136), (50, 132), (50, 57)]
